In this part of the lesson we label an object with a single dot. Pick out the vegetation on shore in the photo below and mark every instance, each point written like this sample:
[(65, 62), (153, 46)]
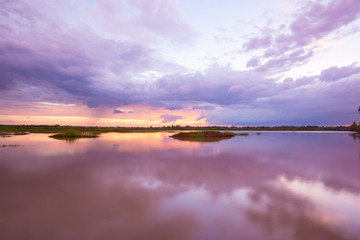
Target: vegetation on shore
[(203, 136), (59, 129), (72, 134), (9, 134), (354, 127), (242, 134)]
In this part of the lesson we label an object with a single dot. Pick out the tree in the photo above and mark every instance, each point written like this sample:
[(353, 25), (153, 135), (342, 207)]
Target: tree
[(353, 127)]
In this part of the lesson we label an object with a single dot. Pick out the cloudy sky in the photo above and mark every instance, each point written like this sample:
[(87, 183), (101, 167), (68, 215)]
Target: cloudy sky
[(179, 62)]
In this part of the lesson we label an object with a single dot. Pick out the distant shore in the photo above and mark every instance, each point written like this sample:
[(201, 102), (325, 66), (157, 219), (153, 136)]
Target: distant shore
[(59, 129)]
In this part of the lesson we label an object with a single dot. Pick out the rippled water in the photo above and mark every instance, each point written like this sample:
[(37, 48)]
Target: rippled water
[(279, 185)]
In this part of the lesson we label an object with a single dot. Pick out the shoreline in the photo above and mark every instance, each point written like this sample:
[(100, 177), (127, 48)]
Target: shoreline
[(58, 128)]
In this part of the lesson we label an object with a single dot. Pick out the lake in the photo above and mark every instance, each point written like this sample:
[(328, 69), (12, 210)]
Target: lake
[(277, 185)]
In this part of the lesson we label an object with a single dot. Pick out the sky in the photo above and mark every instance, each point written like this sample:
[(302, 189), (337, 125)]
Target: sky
[(179, 62)]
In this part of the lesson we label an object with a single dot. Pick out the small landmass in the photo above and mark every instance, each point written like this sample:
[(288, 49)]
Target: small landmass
[(206, 136), (72, 134), (9, 134), (20, 133), (242, 134)]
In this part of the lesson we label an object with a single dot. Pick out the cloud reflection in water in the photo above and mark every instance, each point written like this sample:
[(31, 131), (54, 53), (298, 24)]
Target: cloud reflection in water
[(152, 187)]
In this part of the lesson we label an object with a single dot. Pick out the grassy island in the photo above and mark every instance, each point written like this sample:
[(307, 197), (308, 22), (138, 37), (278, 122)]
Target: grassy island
[(203, 136), (72, 134)]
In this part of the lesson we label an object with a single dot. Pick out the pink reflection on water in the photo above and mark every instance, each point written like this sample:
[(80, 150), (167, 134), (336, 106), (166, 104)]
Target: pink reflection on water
[(334, 208), (146, 141), (149, 186)]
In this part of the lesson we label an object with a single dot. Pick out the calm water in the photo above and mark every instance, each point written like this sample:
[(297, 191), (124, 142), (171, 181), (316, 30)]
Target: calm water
[(279, 185)]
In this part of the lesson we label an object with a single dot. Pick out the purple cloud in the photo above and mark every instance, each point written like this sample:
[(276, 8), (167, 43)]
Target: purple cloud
[(161, 16), (203, 116), (153, 20), (170, 118), (213, 87), (334, 73), (290, 83), (314, 22), (116, 111), (72, 69), (258, 42), (286, 61), (204, 107), (253, 62), (329, 103), (318, 20), (64, 61), (42, 59)]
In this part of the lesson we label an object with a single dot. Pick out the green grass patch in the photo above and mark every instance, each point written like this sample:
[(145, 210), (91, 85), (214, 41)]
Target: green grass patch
[(242, 134), (203, 136), (72, 134)]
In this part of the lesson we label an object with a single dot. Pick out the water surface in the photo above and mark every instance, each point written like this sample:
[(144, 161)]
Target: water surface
[(279, 185)]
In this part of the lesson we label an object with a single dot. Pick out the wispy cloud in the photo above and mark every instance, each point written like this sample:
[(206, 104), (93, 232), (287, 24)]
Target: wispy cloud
[(336, 73), (115, 111), (58, 104), (293, 44), (170, 118)]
